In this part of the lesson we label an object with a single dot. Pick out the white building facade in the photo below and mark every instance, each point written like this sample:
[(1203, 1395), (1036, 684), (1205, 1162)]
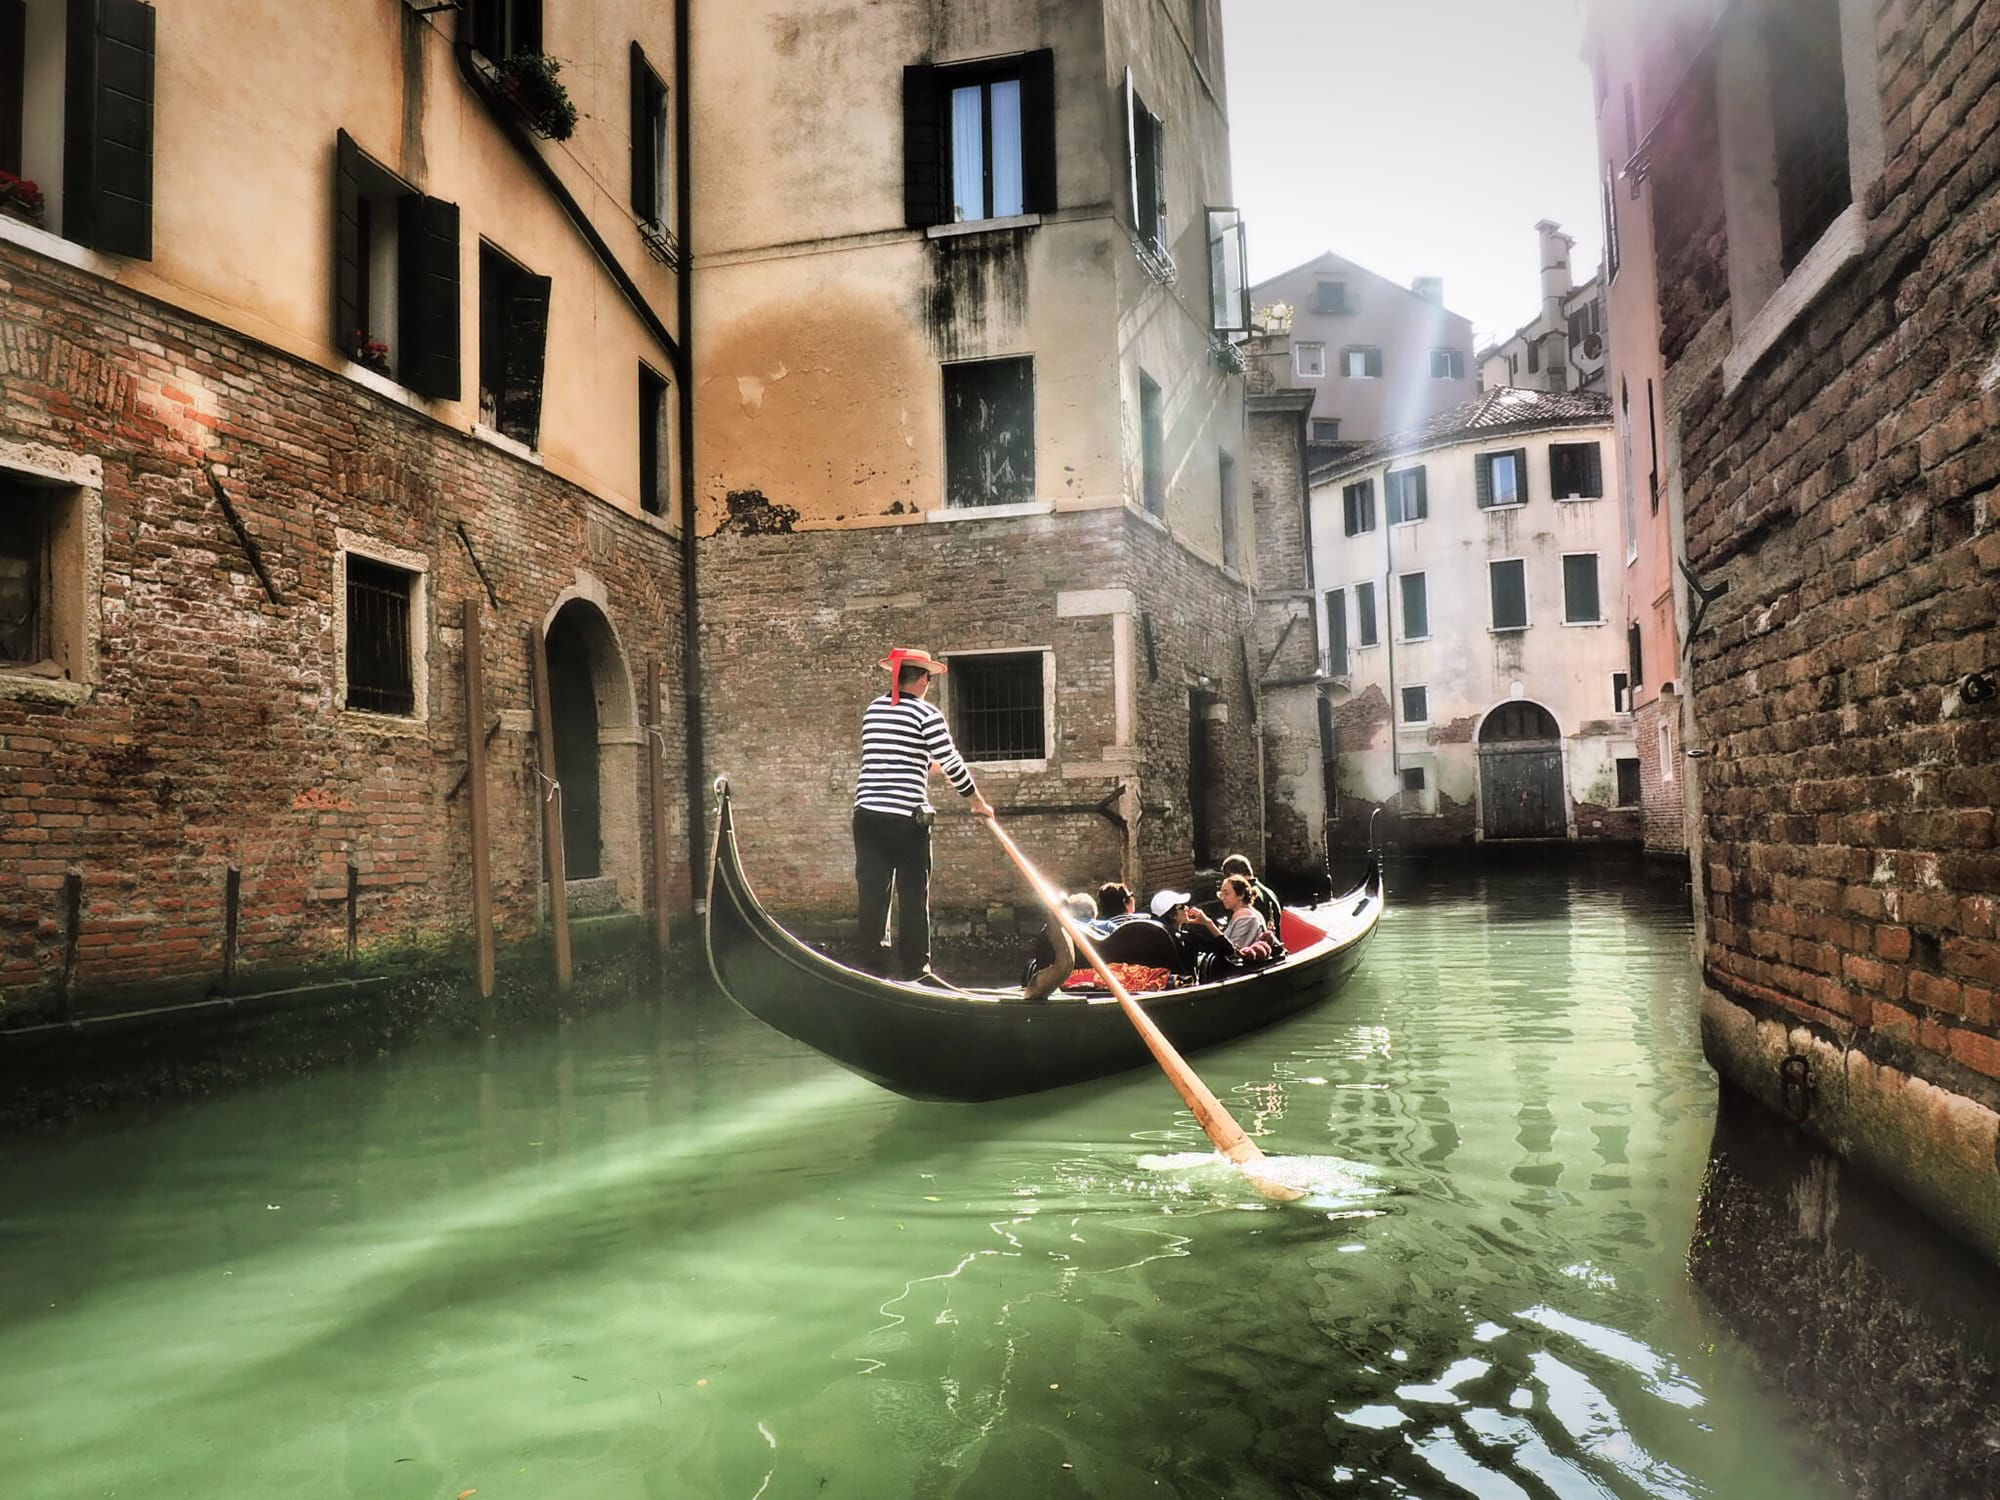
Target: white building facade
[(1470, 575)]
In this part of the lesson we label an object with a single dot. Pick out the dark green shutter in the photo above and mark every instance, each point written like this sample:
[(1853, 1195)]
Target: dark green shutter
[(1521, 474), (428, 296), (1593, 470), (1632, 660), (1482, 470), (1374, 358), (1580, 602), (642, 138), (1423, 496), (1416, 607), (347, 267), (108, 135), (1038, 132), (1510, 601), (1336, 632), (526, 348), (923, 149)]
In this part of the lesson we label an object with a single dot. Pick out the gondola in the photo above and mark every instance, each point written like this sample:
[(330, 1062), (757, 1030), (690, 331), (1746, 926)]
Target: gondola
[(978, 1044)]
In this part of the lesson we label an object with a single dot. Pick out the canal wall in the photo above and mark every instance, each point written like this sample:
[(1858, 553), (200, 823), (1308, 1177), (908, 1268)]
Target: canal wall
[(190, 803), (1833, 422)]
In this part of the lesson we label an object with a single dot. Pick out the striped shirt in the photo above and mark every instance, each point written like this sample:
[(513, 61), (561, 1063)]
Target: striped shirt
[(899, 742)]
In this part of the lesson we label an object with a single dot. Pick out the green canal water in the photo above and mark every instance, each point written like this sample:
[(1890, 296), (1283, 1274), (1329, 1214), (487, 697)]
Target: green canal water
[(664, 1252)]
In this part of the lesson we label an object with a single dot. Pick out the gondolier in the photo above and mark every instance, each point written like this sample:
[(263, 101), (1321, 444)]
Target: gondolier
[(903, 738)]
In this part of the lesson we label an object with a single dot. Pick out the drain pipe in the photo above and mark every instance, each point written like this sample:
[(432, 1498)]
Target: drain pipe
[(691, 683)]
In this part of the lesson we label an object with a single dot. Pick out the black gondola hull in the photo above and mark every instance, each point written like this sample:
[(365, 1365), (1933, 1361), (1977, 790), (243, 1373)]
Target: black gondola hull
[(934, 1044)]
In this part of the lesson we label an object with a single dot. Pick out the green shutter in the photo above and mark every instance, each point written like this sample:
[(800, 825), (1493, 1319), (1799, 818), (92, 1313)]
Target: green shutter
[(1038, 132), (924, 202), (1482, 471), (108, 135), (1521, 475), (347, 267), (524, 354), (427, 296)]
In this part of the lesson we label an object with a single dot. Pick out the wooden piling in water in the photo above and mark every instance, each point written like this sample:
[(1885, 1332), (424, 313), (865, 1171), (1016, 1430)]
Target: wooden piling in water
[(475, 780), (549, 790), (656, 763), (232, 897)]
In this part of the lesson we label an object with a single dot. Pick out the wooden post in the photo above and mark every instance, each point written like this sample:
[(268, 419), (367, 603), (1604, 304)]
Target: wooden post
[(475, 780), (231, 904), (549, 791), (656, 763)]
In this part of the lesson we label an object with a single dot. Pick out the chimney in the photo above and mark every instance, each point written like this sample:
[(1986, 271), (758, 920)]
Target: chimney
[(1556, 283), (1430, 288)]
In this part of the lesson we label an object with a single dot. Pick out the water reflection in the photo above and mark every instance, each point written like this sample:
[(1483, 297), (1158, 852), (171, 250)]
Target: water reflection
[(667, 1252)]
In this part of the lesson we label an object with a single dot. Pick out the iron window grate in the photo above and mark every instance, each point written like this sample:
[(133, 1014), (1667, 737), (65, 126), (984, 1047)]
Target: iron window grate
[(997, 707), (379, 676)]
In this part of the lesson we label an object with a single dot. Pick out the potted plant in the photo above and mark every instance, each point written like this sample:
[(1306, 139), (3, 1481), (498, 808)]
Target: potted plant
[(371, 353), (529, 80), (20, 198)]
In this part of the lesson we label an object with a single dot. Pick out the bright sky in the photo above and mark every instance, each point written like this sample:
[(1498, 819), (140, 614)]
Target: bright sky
[(1418, 137)]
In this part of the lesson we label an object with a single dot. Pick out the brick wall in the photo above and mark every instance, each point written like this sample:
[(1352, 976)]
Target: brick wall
[(212, 736), (1662, 803), (794, 622), (1846, 494)]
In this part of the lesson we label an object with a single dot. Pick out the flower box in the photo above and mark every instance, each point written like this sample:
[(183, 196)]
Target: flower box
[(528, 81)]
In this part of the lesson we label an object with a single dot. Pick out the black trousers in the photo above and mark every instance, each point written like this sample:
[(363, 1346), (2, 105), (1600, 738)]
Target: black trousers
[(891, 851)]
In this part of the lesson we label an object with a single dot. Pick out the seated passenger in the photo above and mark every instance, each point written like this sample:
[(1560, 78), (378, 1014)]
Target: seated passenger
[(1116, 905), (1241, 939), (1262, 897)]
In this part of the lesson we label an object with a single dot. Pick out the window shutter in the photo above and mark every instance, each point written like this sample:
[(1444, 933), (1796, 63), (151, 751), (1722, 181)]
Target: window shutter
[(1416, 607), (1593, 470), (1375, 362), (1162, 235), (14, 49), (1632, 659), (108, 137), (1423, 499), (1482, 473), (1038, 131), (347, 268), (923, 149), (643, 168), (1521, 474), (427, 296), (1132, 149), (526, 347)]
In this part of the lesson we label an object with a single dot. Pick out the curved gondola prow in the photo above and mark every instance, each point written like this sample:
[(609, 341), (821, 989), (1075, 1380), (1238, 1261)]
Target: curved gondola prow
[(725, 838)]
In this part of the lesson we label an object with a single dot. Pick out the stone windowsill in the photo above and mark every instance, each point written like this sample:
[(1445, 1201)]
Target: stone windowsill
[(367, 721), (982, 226), (505, 444), (32, 687), (1839, 247), (32, 237), (990, 512), (385, 385)]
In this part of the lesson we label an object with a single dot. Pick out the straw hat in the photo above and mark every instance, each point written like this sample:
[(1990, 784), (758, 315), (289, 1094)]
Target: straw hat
[(913, 656)]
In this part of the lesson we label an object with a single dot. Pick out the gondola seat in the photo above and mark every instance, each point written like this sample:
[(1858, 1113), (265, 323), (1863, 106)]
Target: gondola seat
[(1144, 942)]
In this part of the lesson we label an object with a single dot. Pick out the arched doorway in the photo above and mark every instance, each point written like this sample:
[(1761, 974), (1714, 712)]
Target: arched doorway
[(1520, 774), (596, 753)]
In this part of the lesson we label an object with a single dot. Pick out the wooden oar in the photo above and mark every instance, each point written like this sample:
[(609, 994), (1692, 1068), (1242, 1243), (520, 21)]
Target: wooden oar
[(1222, 1129)]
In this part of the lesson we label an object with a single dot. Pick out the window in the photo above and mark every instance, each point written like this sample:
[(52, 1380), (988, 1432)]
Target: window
[(1447, 364), (1416, 607), (1632, 658), (1584, 321), (1416, 704), (1232, 548), (381, 670), (51, 572), (1152, 445), (1576, 471), (979, 140), (1653, 447), (1361, 362), (1413, 776), (1509, 585), (76, 118), (1534, 355), (1146, 169), (650, 153), (1666, 753), (1364, 615), (1326, 429), (998, 708), (1405, 492), (1309, 361), (1336, 632), (1558, 378), (1580, 601), (1513, 367), (1228, 288), (1621, 693), (395, 275), (989, 432), (1358, 506), (1330, 297), (654, 485), (505, 28), (1628, 781), (1501, 478), (1808, 103), (513, 337)]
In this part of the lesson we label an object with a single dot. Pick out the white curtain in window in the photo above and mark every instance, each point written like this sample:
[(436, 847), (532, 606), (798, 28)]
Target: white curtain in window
[(968, 154), (1008, 198)]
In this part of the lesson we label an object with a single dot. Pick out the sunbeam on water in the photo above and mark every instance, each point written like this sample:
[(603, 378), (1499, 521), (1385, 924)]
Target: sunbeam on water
[(666, 1252)]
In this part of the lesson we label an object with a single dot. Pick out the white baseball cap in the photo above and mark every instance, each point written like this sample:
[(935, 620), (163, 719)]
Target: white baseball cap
[(1165, 901)]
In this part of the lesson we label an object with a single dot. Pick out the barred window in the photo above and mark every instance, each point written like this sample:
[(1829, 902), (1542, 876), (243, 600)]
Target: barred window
[(997, 706), (1808, 120), (380, 675), (24, 575)]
